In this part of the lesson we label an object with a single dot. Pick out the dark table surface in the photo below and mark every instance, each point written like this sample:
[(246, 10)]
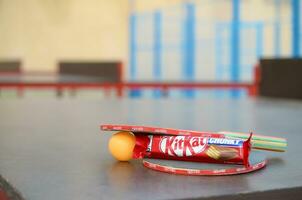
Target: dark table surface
[(53, 149)]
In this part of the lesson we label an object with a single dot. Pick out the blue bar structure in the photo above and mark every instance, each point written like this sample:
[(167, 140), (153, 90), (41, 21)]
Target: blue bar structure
[(189, 46), (235, 41), (218, 51), (259, 40), (132, 23), (296, 28), (133, 52), (277, 28), (220, 54), (157, 50), (235, 44)]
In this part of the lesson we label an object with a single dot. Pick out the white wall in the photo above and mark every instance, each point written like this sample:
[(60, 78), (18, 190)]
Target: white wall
[(41, 32)]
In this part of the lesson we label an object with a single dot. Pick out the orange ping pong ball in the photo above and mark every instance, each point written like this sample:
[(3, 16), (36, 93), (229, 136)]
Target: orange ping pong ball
[(121, 145)]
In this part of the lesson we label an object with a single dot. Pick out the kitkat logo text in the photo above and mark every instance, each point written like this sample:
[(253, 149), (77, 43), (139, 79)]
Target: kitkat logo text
[(182, 146)]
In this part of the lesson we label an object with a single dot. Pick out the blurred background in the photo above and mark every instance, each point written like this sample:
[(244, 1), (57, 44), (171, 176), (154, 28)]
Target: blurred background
[(69, 66), (146, 49)]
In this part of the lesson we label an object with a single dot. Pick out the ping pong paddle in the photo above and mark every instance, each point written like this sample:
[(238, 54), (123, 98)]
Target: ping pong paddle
[(257, 161)]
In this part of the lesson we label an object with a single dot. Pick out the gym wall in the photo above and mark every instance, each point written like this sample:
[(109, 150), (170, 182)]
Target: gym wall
[(41, 32)]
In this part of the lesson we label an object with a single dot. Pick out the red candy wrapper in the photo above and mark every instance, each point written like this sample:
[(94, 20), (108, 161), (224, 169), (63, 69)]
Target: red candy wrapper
[(193, 148)]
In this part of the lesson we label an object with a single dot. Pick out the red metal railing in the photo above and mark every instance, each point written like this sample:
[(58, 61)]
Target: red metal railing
[(120, 86)]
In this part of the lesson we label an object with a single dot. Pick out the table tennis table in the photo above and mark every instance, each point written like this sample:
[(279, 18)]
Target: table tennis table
[(54, 149)]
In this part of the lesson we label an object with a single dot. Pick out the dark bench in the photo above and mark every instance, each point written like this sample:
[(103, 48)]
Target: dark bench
[(108, 71), (10, 66), (92, 71), (281, 78)]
